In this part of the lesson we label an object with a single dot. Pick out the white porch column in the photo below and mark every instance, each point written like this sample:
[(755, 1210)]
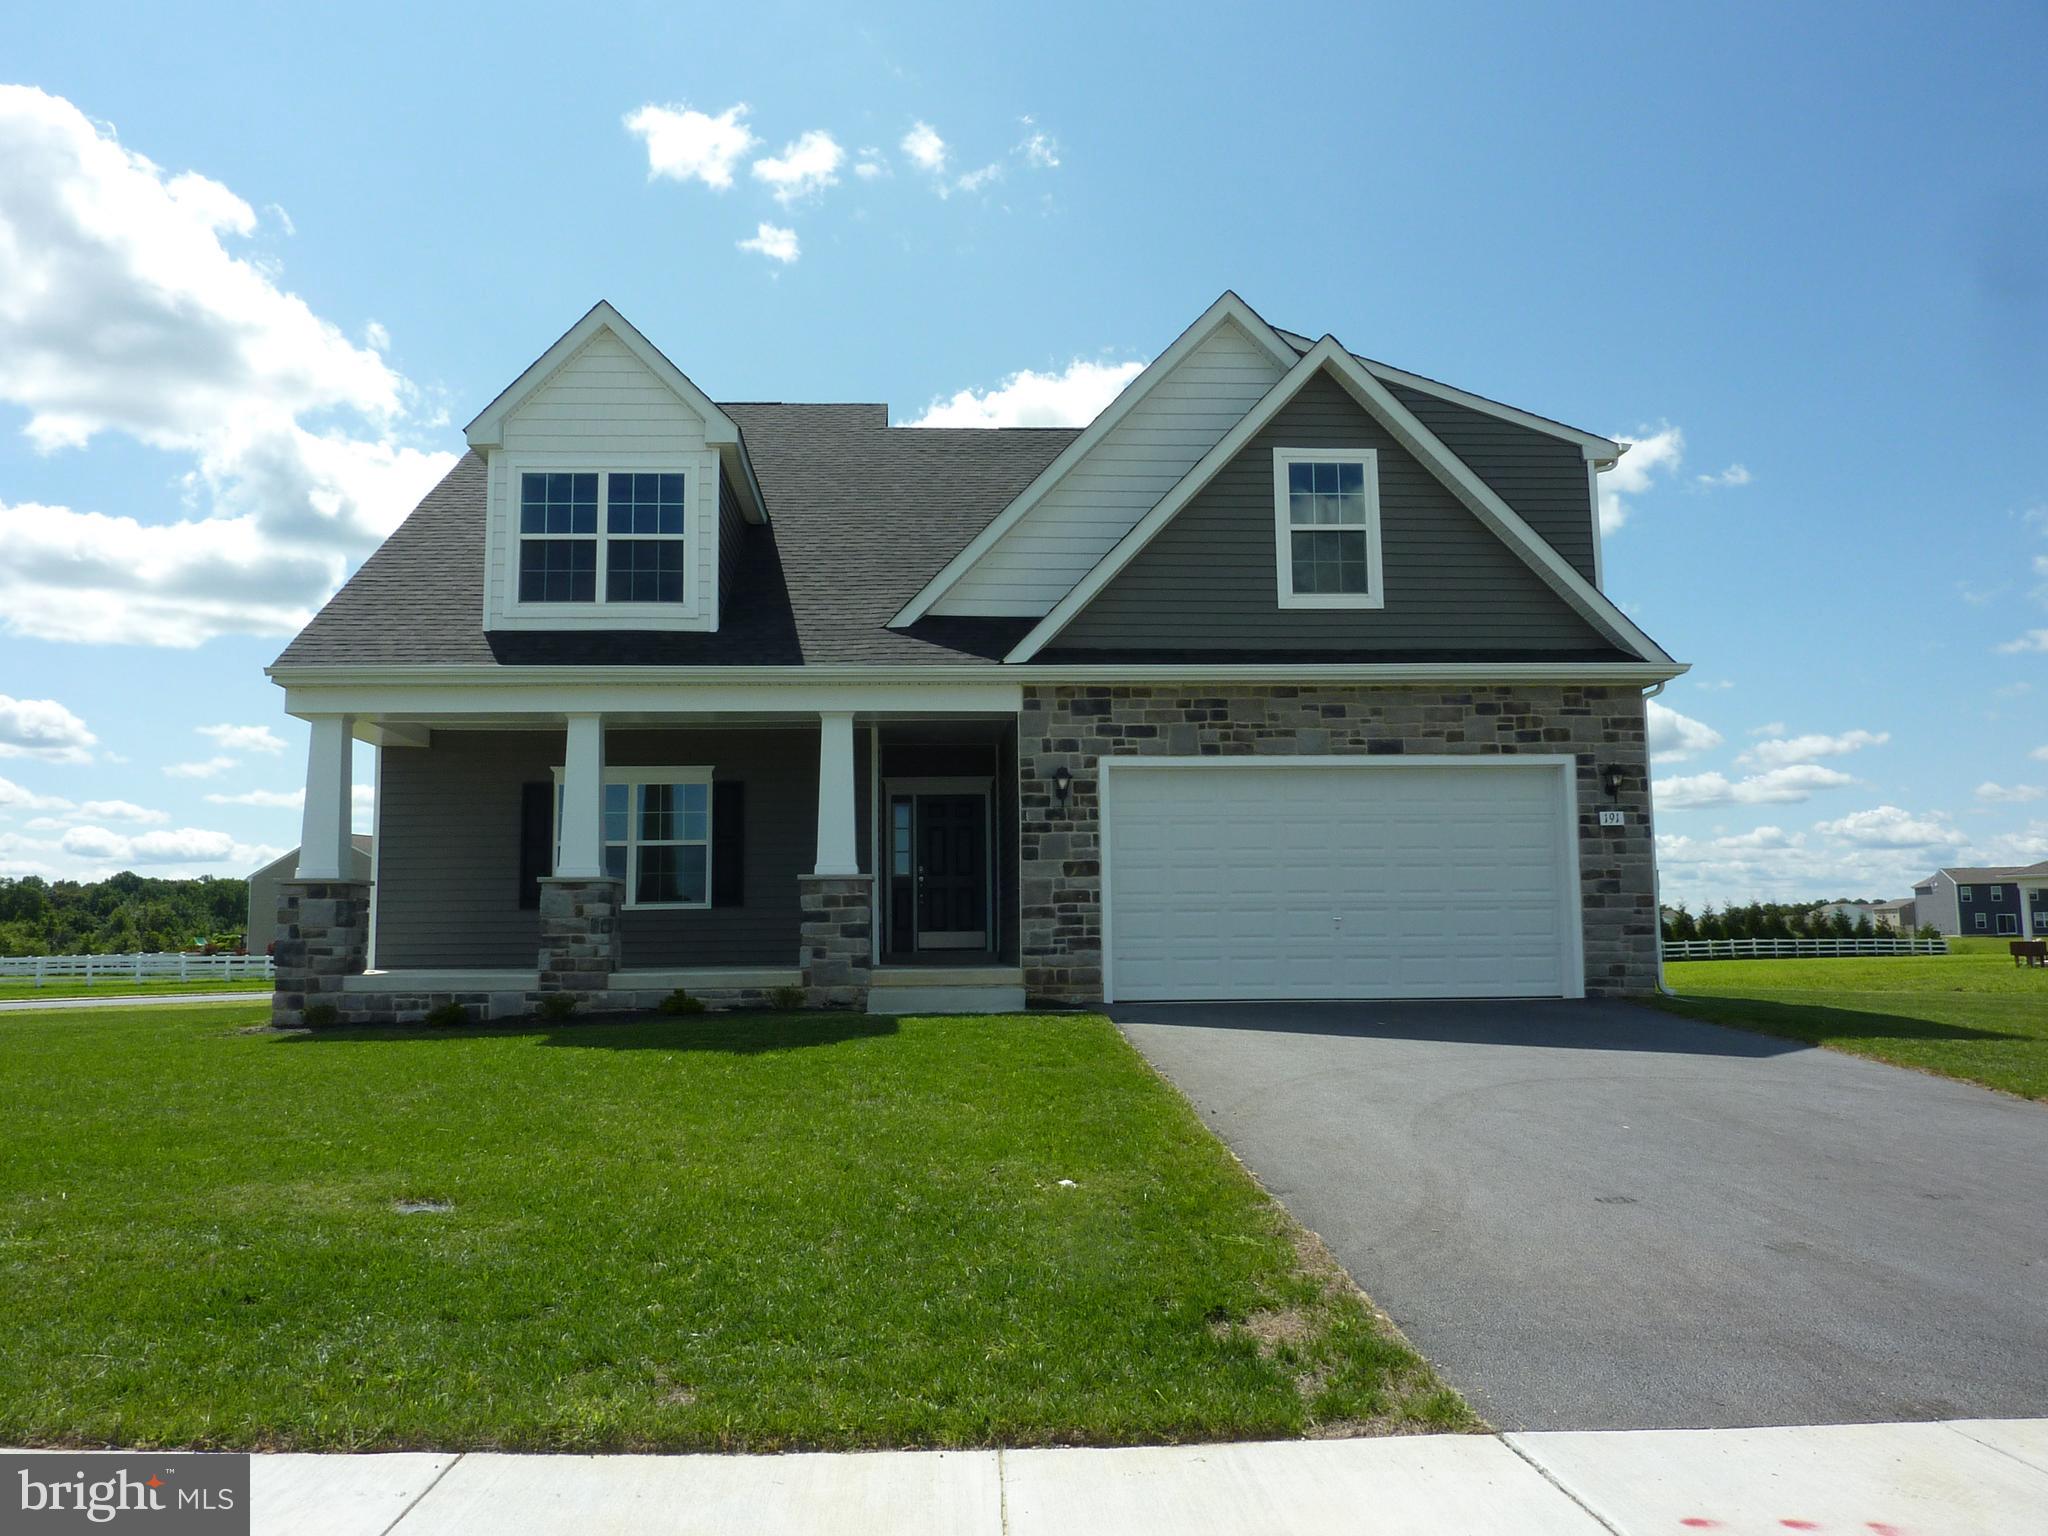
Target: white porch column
[(837, 853), (325, 852), (583, 800)]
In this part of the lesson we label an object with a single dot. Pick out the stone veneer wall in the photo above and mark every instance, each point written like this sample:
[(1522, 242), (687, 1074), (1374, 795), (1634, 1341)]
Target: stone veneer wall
[(323, 934), (837, 937), (579, 932), (1072, 727)]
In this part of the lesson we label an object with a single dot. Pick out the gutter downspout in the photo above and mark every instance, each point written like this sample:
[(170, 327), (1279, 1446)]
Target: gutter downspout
[(1656, 870)]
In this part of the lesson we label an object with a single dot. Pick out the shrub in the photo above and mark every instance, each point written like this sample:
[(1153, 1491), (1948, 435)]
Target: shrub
[(446, 1016), (319, 1015), (558, 1005), (786, 999), (680, 1001)]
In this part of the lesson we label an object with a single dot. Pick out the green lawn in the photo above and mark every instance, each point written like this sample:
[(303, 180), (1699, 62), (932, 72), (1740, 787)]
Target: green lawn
[(14, 989), (746, 1232), (1969, 1014)]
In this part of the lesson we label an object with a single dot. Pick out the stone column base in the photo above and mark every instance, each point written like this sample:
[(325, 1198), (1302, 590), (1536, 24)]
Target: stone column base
[(323, 934), (837, 935), (579, 932)]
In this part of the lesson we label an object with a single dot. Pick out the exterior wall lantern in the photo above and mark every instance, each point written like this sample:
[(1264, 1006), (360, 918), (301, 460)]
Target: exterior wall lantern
[(1612, 777), (1062, 784)]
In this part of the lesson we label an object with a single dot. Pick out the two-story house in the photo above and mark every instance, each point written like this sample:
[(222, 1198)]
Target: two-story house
[(1998, 900), (1288, 676)]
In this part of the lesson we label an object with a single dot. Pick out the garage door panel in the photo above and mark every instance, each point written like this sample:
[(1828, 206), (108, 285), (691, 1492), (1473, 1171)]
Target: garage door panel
[(1353, 880)]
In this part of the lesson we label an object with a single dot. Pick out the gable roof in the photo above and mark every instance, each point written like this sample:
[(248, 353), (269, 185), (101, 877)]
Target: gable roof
[(1603, 451), (1228, 309), (863, 511), (1374, 397), (721, 432), (1979, 874)]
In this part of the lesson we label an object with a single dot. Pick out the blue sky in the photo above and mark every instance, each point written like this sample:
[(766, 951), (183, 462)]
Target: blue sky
[(1806, 264)]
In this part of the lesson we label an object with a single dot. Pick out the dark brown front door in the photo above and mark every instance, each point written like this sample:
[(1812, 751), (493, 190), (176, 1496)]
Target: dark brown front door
[(952, 872)]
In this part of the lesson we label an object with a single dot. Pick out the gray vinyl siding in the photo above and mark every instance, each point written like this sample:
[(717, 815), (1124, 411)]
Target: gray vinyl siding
[(448, 879), (732, 533), (1541, 477), (1207, 581)]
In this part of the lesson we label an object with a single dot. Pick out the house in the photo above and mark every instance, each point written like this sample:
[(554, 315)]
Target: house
[(263, 884), (1855, 911), (2009, 899), (1897, 914), (1290, 675)]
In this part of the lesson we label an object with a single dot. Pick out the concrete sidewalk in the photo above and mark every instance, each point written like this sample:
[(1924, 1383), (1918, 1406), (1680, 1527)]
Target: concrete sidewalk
[(1964, 1478)]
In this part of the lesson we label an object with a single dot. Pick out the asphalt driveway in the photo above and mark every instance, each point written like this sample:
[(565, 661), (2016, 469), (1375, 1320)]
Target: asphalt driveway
[(1597, 1216)]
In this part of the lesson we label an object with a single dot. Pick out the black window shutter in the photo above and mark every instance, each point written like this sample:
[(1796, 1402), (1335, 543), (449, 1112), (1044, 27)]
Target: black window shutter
[(536, 840), (728, 844)]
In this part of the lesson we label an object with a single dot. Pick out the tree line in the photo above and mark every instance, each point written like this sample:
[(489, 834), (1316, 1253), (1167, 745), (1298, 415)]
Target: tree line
[(1779, 920), (122, 914)]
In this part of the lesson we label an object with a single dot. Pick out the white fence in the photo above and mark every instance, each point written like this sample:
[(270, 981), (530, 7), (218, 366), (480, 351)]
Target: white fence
[(93, 969), (1788, 949)]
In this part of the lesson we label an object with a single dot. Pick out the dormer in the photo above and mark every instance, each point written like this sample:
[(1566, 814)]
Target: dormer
[(611, 481)]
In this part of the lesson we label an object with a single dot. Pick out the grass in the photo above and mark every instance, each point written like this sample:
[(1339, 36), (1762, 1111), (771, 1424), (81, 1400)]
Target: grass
[(1969, 1014), (13, 990), (741, 1232)]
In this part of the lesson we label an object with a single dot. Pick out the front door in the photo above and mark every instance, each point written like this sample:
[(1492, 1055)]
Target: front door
[(952, 871)]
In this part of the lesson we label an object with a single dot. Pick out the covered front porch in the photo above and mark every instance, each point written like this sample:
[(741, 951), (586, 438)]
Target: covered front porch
[(750, 855)]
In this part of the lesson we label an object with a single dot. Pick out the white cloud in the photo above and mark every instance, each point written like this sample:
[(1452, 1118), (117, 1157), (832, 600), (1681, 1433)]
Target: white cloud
[(2039, 754), (686, 145), (375, 337), (1651, 457), (42, 728), (1718, 685), (243, 738), (98, 810), (974, 181), (134, 317), (1778, 751), (14, 797), (2008, 794), (272, 799), (1070, 398), (925, 149), (1761, 838), (1768, 728), (182, 845), (2032, 640), (1887, 826), (1780, 786), (1038, 149), (1674, 737), (210, 768), (774, 242), (805, 168), (1734, 474), (869, 166)]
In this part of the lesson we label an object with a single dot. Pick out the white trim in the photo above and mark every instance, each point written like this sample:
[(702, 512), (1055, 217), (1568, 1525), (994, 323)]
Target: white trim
[(1448, 468), (326, 850), (838, 851), (1597, 449), (975, 688), (1284, 529), (632, 778), (1593, 470), (1228, 309), (376, 848), (1570, 892), (700, 523)]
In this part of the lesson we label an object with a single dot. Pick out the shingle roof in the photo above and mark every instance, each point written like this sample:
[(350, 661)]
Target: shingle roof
[(862, 515), (1978, 874)]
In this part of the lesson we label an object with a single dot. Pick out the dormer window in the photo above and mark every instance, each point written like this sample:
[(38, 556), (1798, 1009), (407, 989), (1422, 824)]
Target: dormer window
[(1326, 515), (638, 544)]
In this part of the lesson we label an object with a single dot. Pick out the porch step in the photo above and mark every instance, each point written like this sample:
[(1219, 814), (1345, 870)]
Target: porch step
[(946, 989)]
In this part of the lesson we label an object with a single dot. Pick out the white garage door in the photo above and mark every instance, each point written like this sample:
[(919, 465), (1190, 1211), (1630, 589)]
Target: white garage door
[(1371, 877)]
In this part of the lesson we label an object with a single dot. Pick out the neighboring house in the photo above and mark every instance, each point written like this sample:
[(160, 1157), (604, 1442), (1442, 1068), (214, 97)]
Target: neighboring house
[(1855, 911), (1897, 913), (2003, 899), (263, 884), (1290, 675)]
